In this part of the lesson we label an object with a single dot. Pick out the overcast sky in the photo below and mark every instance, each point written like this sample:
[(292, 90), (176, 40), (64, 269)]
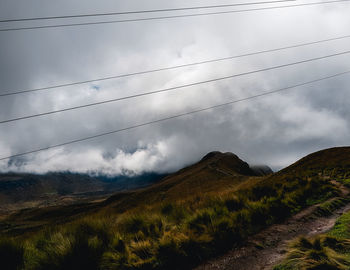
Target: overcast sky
[(275, 130)]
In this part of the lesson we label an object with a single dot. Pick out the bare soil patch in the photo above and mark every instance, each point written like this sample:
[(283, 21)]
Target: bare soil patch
[(265, 249)]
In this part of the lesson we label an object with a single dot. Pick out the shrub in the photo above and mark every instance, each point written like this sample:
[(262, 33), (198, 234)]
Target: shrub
[(234, 204), (258, 192), (142, 249), (278, 209), (322, 252), (202, 221), (176, 213), (143, 226), (259, 215), (11, 254), (170, 254)]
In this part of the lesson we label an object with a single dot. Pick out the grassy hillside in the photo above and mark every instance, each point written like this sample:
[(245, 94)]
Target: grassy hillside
[(33, 190), (196, 213), (330, 164), (327, 251), (217, 173)]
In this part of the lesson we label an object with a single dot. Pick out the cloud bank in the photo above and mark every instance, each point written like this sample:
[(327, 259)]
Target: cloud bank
[(274, 130)]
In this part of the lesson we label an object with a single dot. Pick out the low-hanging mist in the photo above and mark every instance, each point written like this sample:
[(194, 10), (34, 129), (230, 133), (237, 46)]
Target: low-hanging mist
[(275, 130)]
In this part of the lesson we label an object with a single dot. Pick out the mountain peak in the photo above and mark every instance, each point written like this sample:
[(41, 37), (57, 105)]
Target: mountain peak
[(217, 155), (228, 162)]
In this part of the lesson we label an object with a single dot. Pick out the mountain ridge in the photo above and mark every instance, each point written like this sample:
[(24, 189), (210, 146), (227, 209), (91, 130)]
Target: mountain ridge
[(195, 214), (29, 190)]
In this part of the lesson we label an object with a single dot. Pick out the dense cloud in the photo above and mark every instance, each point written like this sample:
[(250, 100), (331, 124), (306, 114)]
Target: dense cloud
[(274, 130)]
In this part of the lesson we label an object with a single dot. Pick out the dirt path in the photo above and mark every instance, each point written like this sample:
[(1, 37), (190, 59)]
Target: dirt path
[(266, 249)]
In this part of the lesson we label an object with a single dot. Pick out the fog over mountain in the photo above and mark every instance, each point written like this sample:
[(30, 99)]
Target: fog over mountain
[(274, 130)]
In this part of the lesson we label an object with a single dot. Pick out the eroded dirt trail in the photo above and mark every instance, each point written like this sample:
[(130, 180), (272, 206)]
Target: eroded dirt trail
[(266, 249)]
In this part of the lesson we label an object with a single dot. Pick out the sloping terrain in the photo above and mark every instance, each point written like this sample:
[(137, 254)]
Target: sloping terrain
[(328, 250), (263, 250), (198, 213), (215, 173), (267, 248), (333, 162), (32, 190)]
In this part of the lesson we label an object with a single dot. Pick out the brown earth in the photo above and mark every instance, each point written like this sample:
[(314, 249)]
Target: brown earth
[(267, 248)]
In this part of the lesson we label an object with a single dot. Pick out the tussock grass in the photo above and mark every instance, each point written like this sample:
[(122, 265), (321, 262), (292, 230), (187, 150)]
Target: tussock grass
[(327, 251), (327, 208), (174, 234), (11, 254), (341, 228), (323, 252)]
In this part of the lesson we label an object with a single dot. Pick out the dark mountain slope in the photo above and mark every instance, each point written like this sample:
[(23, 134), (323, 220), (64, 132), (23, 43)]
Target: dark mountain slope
[(332, 159), (261, 169), (317, 171), (197, 213), (28, 190), (214, 173), (221, 173), (328, 163)]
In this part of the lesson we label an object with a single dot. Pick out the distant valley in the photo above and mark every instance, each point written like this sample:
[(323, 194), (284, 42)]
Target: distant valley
[(35, 190), (219, 206), (23, 190)]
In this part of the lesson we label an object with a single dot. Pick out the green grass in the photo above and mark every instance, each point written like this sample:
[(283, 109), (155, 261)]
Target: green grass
[(167, 235), (321, 252), (346, 182), (327, 208), (180, 223), (327, 251), (341, 228)]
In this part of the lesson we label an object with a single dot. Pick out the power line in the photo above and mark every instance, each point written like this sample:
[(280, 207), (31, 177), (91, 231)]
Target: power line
[(141, 11), (17, 92), (167, 17), (171, 88), (174, 116)]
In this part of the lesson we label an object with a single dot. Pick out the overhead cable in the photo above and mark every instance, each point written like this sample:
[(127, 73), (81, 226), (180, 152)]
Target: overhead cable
[(140, 11), (174, 116), (24, 91), (171, 88), (167, 17)]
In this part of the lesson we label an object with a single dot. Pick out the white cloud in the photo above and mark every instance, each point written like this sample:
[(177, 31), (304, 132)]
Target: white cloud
[(273, 130)]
